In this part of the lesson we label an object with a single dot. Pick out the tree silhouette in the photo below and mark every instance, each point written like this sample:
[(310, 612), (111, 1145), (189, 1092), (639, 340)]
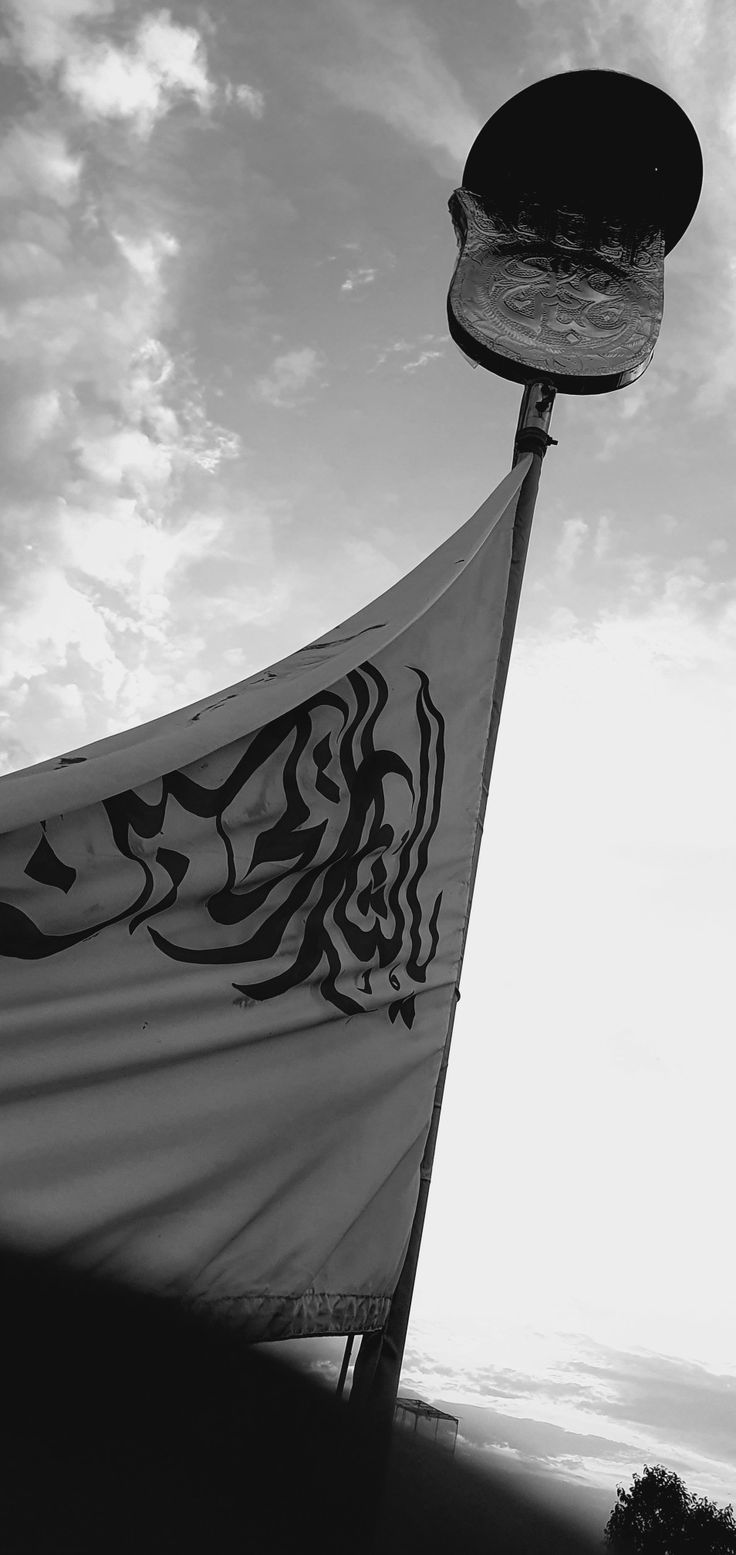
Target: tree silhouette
[(660, 1516)]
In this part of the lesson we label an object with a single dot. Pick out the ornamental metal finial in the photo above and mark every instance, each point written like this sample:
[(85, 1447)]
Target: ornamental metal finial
[(572, 194)]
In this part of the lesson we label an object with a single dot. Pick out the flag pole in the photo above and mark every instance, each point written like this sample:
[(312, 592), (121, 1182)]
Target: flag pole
[(346, 1354), (539, 242), (377, 1370)]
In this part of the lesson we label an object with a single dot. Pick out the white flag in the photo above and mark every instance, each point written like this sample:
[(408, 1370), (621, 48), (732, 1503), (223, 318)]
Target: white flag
[(229, 946)]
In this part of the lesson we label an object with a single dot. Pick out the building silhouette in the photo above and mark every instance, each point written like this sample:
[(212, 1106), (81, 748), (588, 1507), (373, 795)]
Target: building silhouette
[(414, 1415)]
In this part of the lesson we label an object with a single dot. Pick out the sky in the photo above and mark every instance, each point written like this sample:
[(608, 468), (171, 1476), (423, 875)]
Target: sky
[(231, 415)]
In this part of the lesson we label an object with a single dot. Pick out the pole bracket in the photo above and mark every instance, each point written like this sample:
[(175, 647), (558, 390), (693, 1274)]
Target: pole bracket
[(532, 440), (532, 436)]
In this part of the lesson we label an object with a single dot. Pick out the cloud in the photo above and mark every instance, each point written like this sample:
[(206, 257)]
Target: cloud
[(583, 1411), (123, 607), (138, 81), (145, 253), (356, 278), (629, 416), (247, 97), (289, 376), (602, 542), (92, 379), (35, 162), (406, 347), (125, 455), (421, 360), (31, 422), (574, 535), (688, 47), (603, 564), (678, 32), (391, 68), (40, 33), (111, 462), (682, 1405)]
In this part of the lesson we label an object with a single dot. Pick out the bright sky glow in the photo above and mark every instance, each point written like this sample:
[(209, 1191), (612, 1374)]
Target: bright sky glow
[(231, 414)]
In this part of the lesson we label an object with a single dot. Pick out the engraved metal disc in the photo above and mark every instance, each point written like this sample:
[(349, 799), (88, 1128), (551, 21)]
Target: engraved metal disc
[(530, 307)]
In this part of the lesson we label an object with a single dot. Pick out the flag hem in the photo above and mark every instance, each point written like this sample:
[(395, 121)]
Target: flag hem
[(263, 1318)]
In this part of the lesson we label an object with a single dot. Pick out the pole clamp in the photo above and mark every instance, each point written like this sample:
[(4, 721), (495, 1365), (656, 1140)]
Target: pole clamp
[(532, 440)]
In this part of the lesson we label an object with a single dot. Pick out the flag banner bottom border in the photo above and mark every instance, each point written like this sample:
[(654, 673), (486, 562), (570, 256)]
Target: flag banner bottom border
[(311, 1315)]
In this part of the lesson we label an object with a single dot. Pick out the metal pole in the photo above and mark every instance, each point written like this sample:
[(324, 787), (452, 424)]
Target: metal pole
[(347, 1352), (377, 1370)]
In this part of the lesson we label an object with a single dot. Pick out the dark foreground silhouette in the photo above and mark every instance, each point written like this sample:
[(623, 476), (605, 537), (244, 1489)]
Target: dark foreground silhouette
[(133, 1426)]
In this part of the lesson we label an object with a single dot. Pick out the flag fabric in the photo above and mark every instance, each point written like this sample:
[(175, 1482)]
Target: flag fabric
[(229, 947)]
